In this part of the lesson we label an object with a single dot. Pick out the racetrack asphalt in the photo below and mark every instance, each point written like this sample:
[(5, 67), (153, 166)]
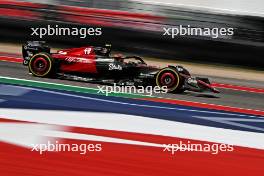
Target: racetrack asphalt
[(227, 97)]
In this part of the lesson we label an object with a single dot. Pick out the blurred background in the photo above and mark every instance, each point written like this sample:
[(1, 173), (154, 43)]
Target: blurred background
[(137, 27)]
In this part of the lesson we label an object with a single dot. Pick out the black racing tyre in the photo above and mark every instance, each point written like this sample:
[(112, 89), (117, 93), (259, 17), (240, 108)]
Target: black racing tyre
[(41, 65), (171, 78)]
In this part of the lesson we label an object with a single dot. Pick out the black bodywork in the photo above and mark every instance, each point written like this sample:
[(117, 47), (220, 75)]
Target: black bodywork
[(116, 69)]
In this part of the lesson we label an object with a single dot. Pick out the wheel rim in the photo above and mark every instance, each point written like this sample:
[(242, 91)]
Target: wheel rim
[(168, 79), (40, 66)]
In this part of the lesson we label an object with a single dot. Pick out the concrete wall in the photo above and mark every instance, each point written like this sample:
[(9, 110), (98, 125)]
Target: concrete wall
[(241, 7)]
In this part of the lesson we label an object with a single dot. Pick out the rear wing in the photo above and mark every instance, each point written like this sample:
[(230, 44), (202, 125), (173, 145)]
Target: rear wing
[(30, 48)]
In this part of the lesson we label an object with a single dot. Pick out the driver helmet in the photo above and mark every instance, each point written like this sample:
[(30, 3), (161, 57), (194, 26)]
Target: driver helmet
[(108, 48), (105, 50)]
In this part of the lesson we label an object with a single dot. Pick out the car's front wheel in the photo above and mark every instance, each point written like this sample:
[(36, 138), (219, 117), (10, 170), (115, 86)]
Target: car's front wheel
[(170, 78)]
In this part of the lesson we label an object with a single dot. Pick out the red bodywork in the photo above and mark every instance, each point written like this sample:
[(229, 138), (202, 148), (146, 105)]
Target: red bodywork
[(81, 60)]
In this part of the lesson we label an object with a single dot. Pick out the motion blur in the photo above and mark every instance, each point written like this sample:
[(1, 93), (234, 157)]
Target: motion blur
[(138, 26)]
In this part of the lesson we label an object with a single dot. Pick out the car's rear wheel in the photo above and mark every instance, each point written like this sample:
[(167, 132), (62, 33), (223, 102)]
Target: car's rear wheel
[(41, 65), (170, 78)]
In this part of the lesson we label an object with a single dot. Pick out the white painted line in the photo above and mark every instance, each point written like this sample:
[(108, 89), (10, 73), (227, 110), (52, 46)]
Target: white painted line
[(23, 134), (27, 134), (137, 124), (231, 121), (34, 81), (260, 120), (141, 105)]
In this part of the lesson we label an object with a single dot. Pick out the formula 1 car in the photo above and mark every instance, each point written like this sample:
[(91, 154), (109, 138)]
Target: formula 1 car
[(97, 65)]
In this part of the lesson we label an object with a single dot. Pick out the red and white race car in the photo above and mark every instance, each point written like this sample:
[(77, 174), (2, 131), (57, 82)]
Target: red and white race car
[(96, 64)]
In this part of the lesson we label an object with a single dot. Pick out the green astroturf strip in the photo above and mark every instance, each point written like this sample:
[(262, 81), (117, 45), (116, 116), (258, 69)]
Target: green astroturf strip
[(56, 86)]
